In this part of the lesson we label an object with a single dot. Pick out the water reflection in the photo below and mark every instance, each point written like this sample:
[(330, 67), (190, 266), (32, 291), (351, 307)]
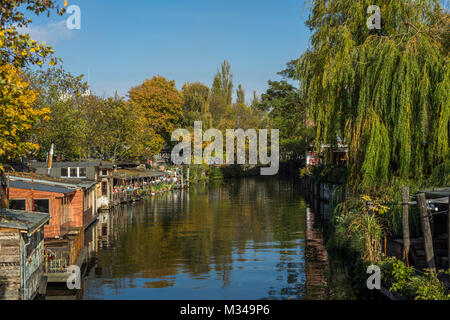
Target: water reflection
[(243, 239)]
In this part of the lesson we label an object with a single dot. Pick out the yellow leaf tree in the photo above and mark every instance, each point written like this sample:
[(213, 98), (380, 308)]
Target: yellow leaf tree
[(18, 117), (161, 102), (17, 50)]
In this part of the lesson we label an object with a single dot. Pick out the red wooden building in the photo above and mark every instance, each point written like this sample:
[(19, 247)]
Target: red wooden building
[(72, 207)]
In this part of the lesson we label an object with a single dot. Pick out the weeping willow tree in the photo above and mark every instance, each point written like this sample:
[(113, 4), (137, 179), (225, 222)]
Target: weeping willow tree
[(386, 91)]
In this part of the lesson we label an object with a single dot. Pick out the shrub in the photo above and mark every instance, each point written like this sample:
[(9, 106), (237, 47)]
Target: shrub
[(402, 280)]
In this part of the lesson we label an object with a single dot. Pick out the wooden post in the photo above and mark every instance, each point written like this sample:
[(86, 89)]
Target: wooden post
[(370, 207), (405, 222), (427, 236), (187, 178), (182, 178)]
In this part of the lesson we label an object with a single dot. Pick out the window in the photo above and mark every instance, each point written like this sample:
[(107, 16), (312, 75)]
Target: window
[(65, 211), (87, 197), (18, 205), (104, 188), (73, 172), (104, 172), (82, 172), (42, 205)]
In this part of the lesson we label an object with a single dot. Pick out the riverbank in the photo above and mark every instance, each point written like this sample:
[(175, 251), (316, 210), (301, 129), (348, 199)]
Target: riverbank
[(202, 173), (366, 230)]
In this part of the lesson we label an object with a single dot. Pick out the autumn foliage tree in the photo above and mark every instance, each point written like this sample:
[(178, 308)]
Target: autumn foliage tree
[(18, 120), (119, 129), (85, 126), (16, 47), (18, 117), (17, 50), (17, 113), (161, 102)]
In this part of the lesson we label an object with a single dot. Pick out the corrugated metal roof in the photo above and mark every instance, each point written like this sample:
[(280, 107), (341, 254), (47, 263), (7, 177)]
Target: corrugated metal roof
[(47, 180), (39, 187), (22, 220), (74, 164)]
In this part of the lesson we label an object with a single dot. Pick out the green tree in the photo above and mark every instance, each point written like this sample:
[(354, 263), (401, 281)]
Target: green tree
[(223, 83), (240, 93), (62, 94), (255, 101), (386, 91), (221, 99), (243, 116), (283, 105), (291, 70), (196, 100)]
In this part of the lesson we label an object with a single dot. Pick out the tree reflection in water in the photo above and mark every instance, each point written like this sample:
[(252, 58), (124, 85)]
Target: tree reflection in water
[(240, 239)]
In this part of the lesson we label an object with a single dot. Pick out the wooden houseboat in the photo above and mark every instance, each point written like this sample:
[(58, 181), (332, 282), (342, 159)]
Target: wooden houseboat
[(99, 171), (72, 206), (21, 253)]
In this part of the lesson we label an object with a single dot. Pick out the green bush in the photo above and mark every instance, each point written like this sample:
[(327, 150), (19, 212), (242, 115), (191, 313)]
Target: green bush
[(215, 173), (402, 280)]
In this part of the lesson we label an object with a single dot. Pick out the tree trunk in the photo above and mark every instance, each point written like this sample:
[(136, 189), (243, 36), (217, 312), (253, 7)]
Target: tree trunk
[(426, 229), (405, 222), (448, 234), (3, 189)]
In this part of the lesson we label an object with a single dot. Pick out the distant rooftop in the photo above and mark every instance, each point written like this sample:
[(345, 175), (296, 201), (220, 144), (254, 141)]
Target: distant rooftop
[(22, 220), (138, 173), (48, 180), (75, 164)]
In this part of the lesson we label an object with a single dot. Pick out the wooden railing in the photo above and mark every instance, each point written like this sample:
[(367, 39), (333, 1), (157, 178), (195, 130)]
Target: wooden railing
[(57, 259)]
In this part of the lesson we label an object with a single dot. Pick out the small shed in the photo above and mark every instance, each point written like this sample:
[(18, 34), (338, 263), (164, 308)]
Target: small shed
[(21, 253)]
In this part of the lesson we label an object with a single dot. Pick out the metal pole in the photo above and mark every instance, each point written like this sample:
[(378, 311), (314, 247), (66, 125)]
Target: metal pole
[(50, 160)]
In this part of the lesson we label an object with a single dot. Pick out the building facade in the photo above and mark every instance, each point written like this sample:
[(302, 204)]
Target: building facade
[(99, 171)]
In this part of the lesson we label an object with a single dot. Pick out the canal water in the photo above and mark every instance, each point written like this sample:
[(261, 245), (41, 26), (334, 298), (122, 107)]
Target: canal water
[(252, 238)]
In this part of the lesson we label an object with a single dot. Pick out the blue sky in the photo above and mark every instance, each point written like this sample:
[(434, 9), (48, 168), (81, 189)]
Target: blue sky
[(124, 42)]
